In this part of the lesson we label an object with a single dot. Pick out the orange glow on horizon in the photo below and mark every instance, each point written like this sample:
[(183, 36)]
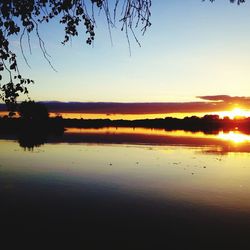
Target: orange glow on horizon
[(236, 112), (232, 114), (231, 136), (138, 130), (126, 116)]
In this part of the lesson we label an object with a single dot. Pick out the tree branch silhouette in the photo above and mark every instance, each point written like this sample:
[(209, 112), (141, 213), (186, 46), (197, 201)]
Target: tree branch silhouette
[(18, 17)]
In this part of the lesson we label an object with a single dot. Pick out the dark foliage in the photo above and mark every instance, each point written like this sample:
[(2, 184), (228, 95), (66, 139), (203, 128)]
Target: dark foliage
[(31, 133), (22, 17), (30, 110)]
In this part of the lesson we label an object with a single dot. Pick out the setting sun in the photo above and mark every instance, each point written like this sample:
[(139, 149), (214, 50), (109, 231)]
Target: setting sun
[(236, 112)]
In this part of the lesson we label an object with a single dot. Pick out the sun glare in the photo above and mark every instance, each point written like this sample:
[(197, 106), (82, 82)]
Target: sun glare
[(236, 112), (234, 136)]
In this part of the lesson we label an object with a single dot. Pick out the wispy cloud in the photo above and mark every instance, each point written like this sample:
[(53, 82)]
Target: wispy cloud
[(226, 98), (133, 108), (209, 104)]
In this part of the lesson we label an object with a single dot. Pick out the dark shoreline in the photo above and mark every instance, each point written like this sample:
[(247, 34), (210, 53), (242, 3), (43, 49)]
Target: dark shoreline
[(34, 133), (209, 124)]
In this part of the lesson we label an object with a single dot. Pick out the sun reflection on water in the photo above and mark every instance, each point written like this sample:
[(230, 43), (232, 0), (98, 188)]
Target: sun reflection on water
[(234, 136), (231, 136)]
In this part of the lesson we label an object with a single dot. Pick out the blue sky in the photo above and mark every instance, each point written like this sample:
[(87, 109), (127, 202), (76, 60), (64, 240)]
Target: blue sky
[(193, 48)]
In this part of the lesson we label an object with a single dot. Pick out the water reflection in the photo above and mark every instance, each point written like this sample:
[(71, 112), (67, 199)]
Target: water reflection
[(146, 193), (234, 136), (168, 171), (30, 140), (218, 142), (101, 192)]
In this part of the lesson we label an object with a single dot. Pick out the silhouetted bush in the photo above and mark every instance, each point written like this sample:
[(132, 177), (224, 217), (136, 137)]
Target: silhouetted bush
[(30, 110)]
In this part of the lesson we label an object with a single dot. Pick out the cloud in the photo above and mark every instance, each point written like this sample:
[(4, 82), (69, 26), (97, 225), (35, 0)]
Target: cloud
[(134, 108), (226, 99), (209, 104)]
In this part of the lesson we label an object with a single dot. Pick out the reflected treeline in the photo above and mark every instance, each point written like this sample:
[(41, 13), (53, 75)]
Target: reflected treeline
[(31, 133), (208, 124)]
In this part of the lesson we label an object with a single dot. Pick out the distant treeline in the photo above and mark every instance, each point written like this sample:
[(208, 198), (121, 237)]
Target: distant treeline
[(32, 132), (206, 124)]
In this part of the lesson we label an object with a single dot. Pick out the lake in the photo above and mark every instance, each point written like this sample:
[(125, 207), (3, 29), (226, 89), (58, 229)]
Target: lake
[(125, 188)]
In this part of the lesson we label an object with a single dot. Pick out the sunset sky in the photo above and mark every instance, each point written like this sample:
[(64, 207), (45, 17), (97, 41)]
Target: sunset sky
[(193, 48)]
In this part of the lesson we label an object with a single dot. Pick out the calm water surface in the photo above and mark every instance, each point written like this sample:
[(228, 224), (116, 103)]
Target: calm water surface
[(128, 188)]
